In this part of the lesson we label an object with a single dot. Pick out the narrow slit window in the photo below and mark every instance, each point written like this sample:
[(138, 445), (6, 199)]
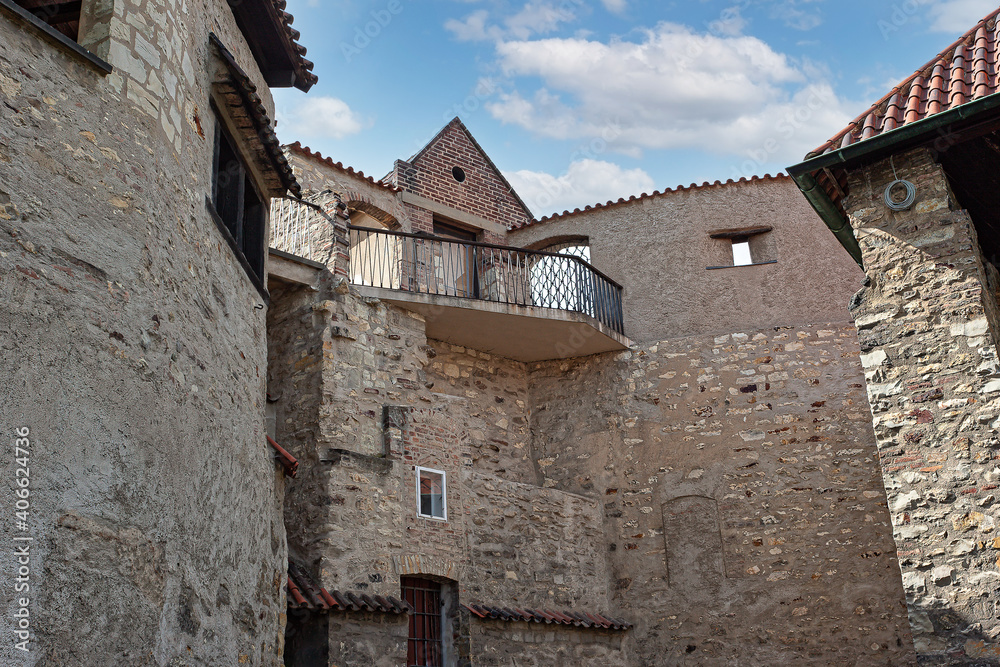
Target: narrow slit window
[(741, 252), (431, 494)]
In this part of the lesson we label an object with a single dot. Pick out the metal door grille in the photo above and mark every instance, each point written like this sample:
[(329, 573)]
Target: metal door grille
[(424, 646)]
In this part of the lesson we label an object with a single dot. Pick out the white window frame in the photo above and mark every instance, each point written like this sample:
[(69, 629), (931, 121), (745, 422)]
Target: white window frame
[(444, 493)]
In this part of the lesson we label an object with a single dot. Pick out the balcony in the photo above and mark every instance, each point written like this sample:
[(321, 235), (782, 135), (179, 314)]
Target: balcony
[(521, 304)]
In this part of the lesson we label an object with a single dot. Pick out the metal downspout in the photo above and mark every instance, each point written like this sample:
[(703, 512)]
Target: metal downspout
[(826, 209)]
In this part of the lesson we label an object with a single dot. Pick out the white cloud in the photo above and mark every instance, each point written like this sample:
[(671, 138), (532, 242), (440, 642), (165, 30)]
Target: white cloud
[(730, 22), (585, 182), (799, 14), (958, 16), (536, 17), (473, 27), (320, 118), (616, 6), (673, 89)]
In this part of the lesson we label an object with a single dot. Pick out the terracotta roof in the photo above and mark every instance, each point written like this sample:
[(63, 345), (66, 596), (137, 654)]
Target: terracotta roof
[(247, 111), (965, 71), (304, 77), (273, 41), (316, 155), (304, 594), (658, 193), (288, 462), (579, 619)]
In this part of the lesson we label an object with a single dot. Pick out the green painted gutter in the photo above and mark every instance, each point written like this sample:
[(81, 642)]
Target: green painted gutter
[(940, 126)]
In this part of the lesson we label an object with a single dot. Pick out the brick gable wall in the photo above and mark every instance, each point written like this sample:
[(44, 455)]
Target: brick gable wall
[(483, 193)]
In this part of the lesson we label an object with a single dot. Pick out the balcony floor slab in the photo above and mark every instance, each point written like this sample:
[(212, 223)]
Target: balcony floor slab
[(522, 333)]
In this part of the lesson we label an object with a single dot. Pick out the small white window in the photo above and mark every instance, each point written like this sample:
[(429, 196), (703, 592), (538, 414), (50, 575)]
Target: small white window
[(741, 252), (431, 494)]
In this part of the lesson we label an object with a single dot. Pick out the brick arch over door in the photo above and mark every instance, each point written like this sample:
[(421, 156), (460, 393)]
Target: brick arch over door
[(356, 201), (423, 565)]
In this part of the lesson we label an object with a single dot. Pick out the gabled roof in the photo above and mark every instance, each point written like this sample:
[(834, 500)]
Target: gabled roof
[(964, 71), (456, 122)]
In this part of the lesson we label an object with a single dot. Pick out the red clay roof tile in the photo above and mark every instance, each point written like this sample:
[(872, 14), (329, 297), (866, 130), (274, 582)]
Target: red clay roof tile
[(579, 619), (304, 594), (657, 193), (308, 152), (956, 76)]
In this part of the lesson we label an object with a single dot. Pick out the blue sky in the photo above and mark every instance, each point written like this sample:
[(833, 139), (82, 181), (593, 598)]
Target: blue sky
[(581, 101)]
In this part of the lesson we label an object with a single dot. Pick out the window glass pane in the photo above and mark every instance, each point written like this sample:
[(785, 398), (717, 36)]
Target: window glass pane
[(432, 494), (741, 253)]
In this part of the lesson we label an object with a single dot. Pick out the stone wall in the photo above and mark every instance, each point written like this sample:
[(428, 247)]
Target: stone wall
[(931, 365), (744, 514), (136, 348), (362, 398), (500, 643), (672, 293)]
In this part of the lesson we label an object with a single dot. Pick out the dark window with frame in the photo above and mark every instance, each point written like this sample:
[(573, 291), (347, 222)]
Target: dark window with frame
[(238, 203), (61, 15), (423, 648)]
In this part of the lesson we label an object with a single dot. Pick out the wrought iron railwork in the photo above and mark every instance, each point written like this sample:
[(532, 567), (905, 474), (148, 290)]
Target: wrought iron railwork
[(431, 265)]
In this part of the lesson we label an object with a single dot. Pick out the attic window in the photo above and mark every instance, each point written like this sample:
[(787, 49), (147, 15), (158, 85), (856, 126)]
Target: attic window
[(458, 173)]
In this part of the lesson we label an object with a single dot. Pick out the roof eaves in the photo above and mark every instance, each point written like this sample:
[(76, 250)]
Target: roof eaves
[(945, 56), (656, 193), (263, 139), (350, 171)]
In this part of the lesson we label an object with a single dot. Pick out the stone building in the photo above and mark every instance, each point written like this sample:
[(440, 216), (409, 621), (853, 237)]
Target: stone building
[(909, 188), (641, 433), (635, 434), (137, 159)]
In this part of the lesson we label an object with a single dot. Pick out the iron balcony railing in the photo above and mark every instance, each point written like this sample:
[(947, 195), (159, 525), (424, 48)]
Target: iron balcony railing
[(432, 265)]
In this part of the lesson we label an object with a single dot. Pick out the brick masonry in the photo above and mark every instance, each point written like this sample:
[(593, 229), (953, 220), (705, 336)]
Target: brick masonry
[(927, 331)]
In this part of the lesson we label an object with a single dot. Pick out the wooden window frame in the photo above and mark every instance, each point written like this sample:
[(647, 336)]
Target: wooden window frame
[(57, 37), (247, 241)]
